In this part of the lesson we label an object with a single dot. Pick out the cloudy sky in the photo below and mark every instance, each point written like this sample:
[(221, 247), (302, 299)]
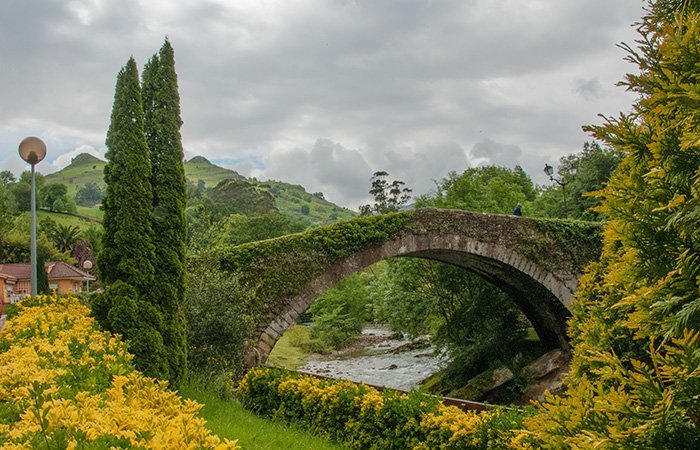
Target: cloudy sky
[(325, 92)]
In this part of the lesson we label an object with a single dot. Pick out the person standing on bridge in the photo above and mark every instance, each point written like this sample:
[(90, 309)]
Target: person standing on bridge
[(518, 210)]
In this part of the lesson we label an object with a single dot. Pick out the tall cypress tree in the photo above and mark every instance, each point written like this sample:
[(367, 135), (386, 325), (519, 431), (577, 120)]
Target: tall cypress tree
[(127, 253), (161, 102), (126, 259)]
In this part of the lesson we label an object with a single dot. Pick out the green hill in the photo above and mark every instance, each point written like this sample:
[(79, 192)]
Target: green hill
[(291, 200)]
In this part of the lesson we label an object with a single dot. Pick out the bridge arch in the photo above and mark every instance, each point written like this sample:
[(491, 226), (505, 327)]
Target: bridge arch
[(537, 262)]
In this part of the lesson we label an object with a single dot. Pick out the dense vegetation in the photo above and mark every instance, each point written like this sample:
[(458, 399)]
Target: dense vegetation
[(142, 258), (635, 377), (66, 384)]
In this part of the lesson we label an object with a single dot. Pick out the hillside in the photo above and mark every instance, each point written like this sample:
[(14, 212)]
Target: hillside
[(290, 199)]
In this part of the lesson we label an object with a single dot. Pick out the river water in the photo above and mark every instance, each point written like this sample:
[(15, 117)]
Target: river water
[(380, 360)]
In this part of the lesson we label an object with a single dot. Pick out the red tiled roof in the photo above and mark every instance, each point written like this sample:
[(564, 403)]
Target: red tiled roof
[(54, 269)]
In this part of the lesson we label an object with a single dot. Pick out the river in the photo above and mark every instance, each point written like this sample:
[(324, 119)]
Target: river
[(380, 358)]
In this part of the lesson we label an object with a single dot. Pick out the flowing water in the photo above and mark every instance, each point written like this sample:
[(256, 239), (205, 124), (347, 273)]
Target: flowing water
[(381, 362)]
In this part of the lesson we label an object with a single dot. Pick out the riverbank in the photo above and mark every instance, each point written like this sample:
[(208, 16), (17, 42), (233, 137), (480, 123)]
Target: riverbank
[(378, 356)]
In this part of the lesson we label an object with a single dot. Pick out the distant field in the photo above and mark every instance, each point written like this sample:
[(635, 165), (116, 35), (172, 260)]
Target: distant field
[(66, 219)]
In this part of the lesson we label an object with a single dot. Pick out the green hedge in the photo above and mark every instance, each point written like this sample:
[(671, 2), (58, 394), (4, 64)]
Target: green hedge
[(361, 417)]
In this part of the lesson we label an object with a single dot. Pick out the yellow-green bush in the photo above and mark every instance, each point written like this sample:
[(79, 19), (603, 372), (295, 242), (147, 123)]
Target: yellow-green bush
[(65, 384), (362, 417)]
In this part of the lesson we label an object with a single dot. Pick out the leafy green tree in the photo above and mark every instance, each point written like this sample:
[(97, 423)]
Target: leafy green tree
[(477, 322), (636, 325), (89, 194), (52, 193), (388, 197), (583, 174), (161, 102), (339, 314), (6, 178), (217, 309), (491, 189)]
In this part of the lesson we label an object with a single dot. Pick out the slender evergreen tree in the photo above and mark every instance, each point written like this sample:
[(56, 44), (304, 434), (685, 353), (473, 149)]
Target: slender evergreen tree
[(126, 259), (161, 102), (127, 253)]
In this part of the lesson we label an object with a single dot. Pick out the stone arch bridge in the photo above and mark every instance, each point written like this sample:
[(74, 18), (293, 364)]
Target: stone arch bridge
[(536, 261)]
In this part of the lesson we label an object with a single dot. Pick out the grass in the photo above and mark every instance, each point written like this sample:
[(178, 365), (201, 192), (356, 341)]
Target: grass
[(227, 419), (288, 353), (66, 219)]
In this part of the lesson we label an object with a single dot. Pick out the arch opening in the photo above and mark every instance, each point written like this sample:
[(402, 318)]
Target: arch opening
[(542, 296)]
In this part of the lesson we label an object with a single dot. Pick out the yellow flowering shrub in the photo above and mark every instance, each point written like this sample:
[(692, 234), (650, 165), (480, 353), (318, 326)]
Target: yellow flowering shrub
[(65, 384), (362, 417)]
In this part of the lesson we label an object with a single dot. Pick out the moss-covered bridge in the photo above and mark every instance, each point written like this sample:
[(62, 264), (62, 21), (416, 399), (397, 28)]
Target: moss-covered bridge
[(537, 262)]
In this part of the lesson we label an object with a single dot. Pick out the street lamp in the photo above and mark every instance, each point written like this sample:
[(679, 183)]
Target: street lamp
[(87, 265), (549, 171), (33, 150)]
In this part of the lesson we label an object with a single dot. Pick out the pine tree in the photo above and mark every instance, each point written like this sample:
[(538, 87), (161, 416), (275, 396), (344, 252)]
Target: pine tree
[(162, 113), (635, 379)]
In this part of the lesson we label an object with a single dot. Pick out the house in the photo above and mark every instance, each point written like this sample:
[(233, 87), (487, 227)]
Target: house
[(15, 280)]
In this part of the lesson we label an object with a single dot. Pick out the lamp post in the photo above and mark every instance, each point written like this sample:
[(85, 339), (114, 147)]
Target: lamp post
[(33, 150), (87, 265), (549, 171)]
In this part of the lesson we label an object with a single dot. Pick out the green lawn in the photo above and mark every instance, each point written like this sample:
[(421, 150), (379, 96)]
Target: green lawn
[(288, 353), (227, 419)]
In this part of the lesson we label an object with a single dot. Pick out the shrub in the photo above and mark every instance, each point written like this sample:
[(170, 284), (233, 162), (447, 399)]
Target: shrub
[(65, 384), (362, 417)]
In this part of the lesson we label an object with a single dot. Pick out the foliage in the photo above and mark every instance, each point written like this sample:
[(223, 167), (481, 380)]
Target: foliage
[(14, 248), (64, 237), (634, 380), (361, 417), (238, 196), (388, 197), (64, 384), (236, 229), (228, 419), (218, 322), (491, 189), (583, 174), (161, 102), (281, 266), (54, 196), (339, 314), (89, 194), (478, 323), (127, 249), (120, 309)]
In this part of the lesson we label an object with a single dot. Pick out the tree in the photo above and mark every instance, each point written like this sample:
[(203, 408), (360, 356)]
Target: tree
[(162, 127), (89, 194), (584, 174), (636, 325), (6, 178), (52, 192), (127, 254), (491, 189), (388, 197), (64, 236), (128, 251)]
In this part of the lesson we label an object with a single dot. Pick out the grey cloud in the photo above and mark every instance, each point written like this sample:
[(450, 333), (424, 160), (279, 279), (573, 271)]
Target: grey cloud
[(397, 86), (589, 89)]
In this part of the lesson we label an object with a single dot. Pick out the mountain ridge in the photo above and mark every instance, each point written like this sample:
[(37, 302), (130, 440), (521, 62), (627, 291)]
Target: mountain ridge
[(290, 199)]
